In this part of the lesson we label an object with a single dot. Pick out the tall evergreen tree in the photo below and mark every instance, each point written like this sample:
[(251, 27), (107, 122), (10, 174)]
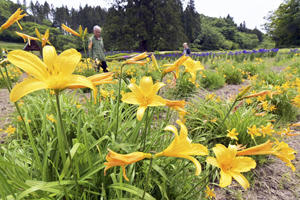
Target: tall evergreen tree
[(191, 21)]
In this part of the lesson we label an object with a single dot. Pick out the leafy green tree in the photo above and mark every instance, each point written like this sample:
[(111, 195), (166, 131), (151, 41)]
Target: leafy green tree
[(284, 24)]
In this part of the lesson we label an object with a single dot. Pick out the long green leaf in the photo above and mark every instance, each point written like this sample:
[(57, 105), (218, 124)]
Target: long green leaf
[(131, 189)]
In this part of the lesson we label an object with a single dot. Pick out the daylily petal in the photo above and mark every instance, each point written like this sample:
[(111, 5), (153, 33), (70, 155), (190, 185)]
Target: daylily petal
[(67, 61), (157, 101), (124, 173), (146, 83), (212, 161), (140, 112), (171, 128), (198, 149), (240, 179), (26, 87), (225, 179), (243, 164), (130, 98), (157, 86), (49, 56), (28, 62), (196, 163), (136, 90)]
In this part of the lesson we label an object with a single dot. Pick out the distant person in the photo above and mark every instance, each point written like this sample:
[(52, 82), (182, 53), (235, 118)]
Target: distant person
[(186, 49), (96, 49)]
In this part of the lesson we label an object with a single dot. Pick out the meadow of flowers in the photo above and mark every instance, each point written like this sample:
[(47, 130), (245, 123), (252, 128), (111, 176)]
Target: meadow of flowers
[(144, 130)]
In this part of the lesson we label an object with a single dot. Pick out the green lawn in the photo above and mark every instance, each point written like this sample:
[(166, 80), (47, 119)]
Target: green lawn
[(11, 45)]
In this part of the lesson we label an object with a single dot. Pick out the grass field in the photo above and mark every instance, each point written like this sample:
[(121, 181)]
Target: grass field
[(11, 45)]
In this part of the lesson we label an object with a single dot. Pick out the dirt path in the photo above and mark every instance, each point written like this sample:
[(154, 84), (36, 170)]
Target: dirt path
[(6, 108)]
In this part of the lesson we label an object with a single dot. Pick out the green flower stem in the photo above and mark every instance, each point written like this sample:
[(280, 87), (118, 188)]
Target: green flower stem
[(146, 129), (118, 101), (232, 106), (5, 80), (147, 178), (8, 79), (60, 130), (62, 139), (84, 49)]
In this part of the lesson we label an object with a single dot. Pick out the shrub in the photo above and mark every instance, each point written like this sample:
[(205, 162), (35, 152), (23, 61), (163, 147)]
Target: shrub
[(212, 80), (232, 74)]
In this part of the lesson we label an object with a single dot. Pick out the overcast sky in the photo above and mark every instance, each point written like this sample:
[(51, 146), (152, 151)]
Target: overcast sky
[(250, 11)]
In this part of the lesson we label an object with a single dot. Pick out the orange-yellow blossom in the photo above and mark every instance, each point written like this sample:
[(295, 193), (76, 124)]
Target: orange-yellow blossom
[(192, 67), (232, 134), (182, 146), (44, 39), (231, 165), (262, 93), (137, 59), (68, 29), (144, 95), (54, 72), (12, 19), (178, 106), (154, 63), (26, 37), (209, 193), (280, 149), (175, 66), (98, 79), (115, 159)]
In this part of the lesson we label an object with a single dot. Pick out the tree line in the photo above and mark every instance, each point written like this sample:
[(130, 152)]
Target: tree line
[(141, 25)]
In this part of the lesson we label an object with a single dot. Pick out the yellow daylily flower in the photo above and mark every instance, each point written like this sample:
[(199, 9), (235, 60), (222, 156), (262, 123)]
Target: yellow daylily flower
[(280, 149), (137, 59), (154, 63), (231, 165), (253, 131), (182, 147), (284, 153), (260, 94), (175, 66), (98, 79), (144, 95), (232, 134), (296, 101), (192, 67), (10, 130), (209, 193), (26, 37), (44, 39), (68, 29), (267, 130), (54, 72), (265, 148), (116, 159), (178, 106), (12, 19)]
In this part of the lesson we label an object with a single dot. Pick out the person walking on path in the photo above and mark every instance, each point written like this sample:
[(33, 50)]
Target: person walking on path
[(186, 49), (96, 49)]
